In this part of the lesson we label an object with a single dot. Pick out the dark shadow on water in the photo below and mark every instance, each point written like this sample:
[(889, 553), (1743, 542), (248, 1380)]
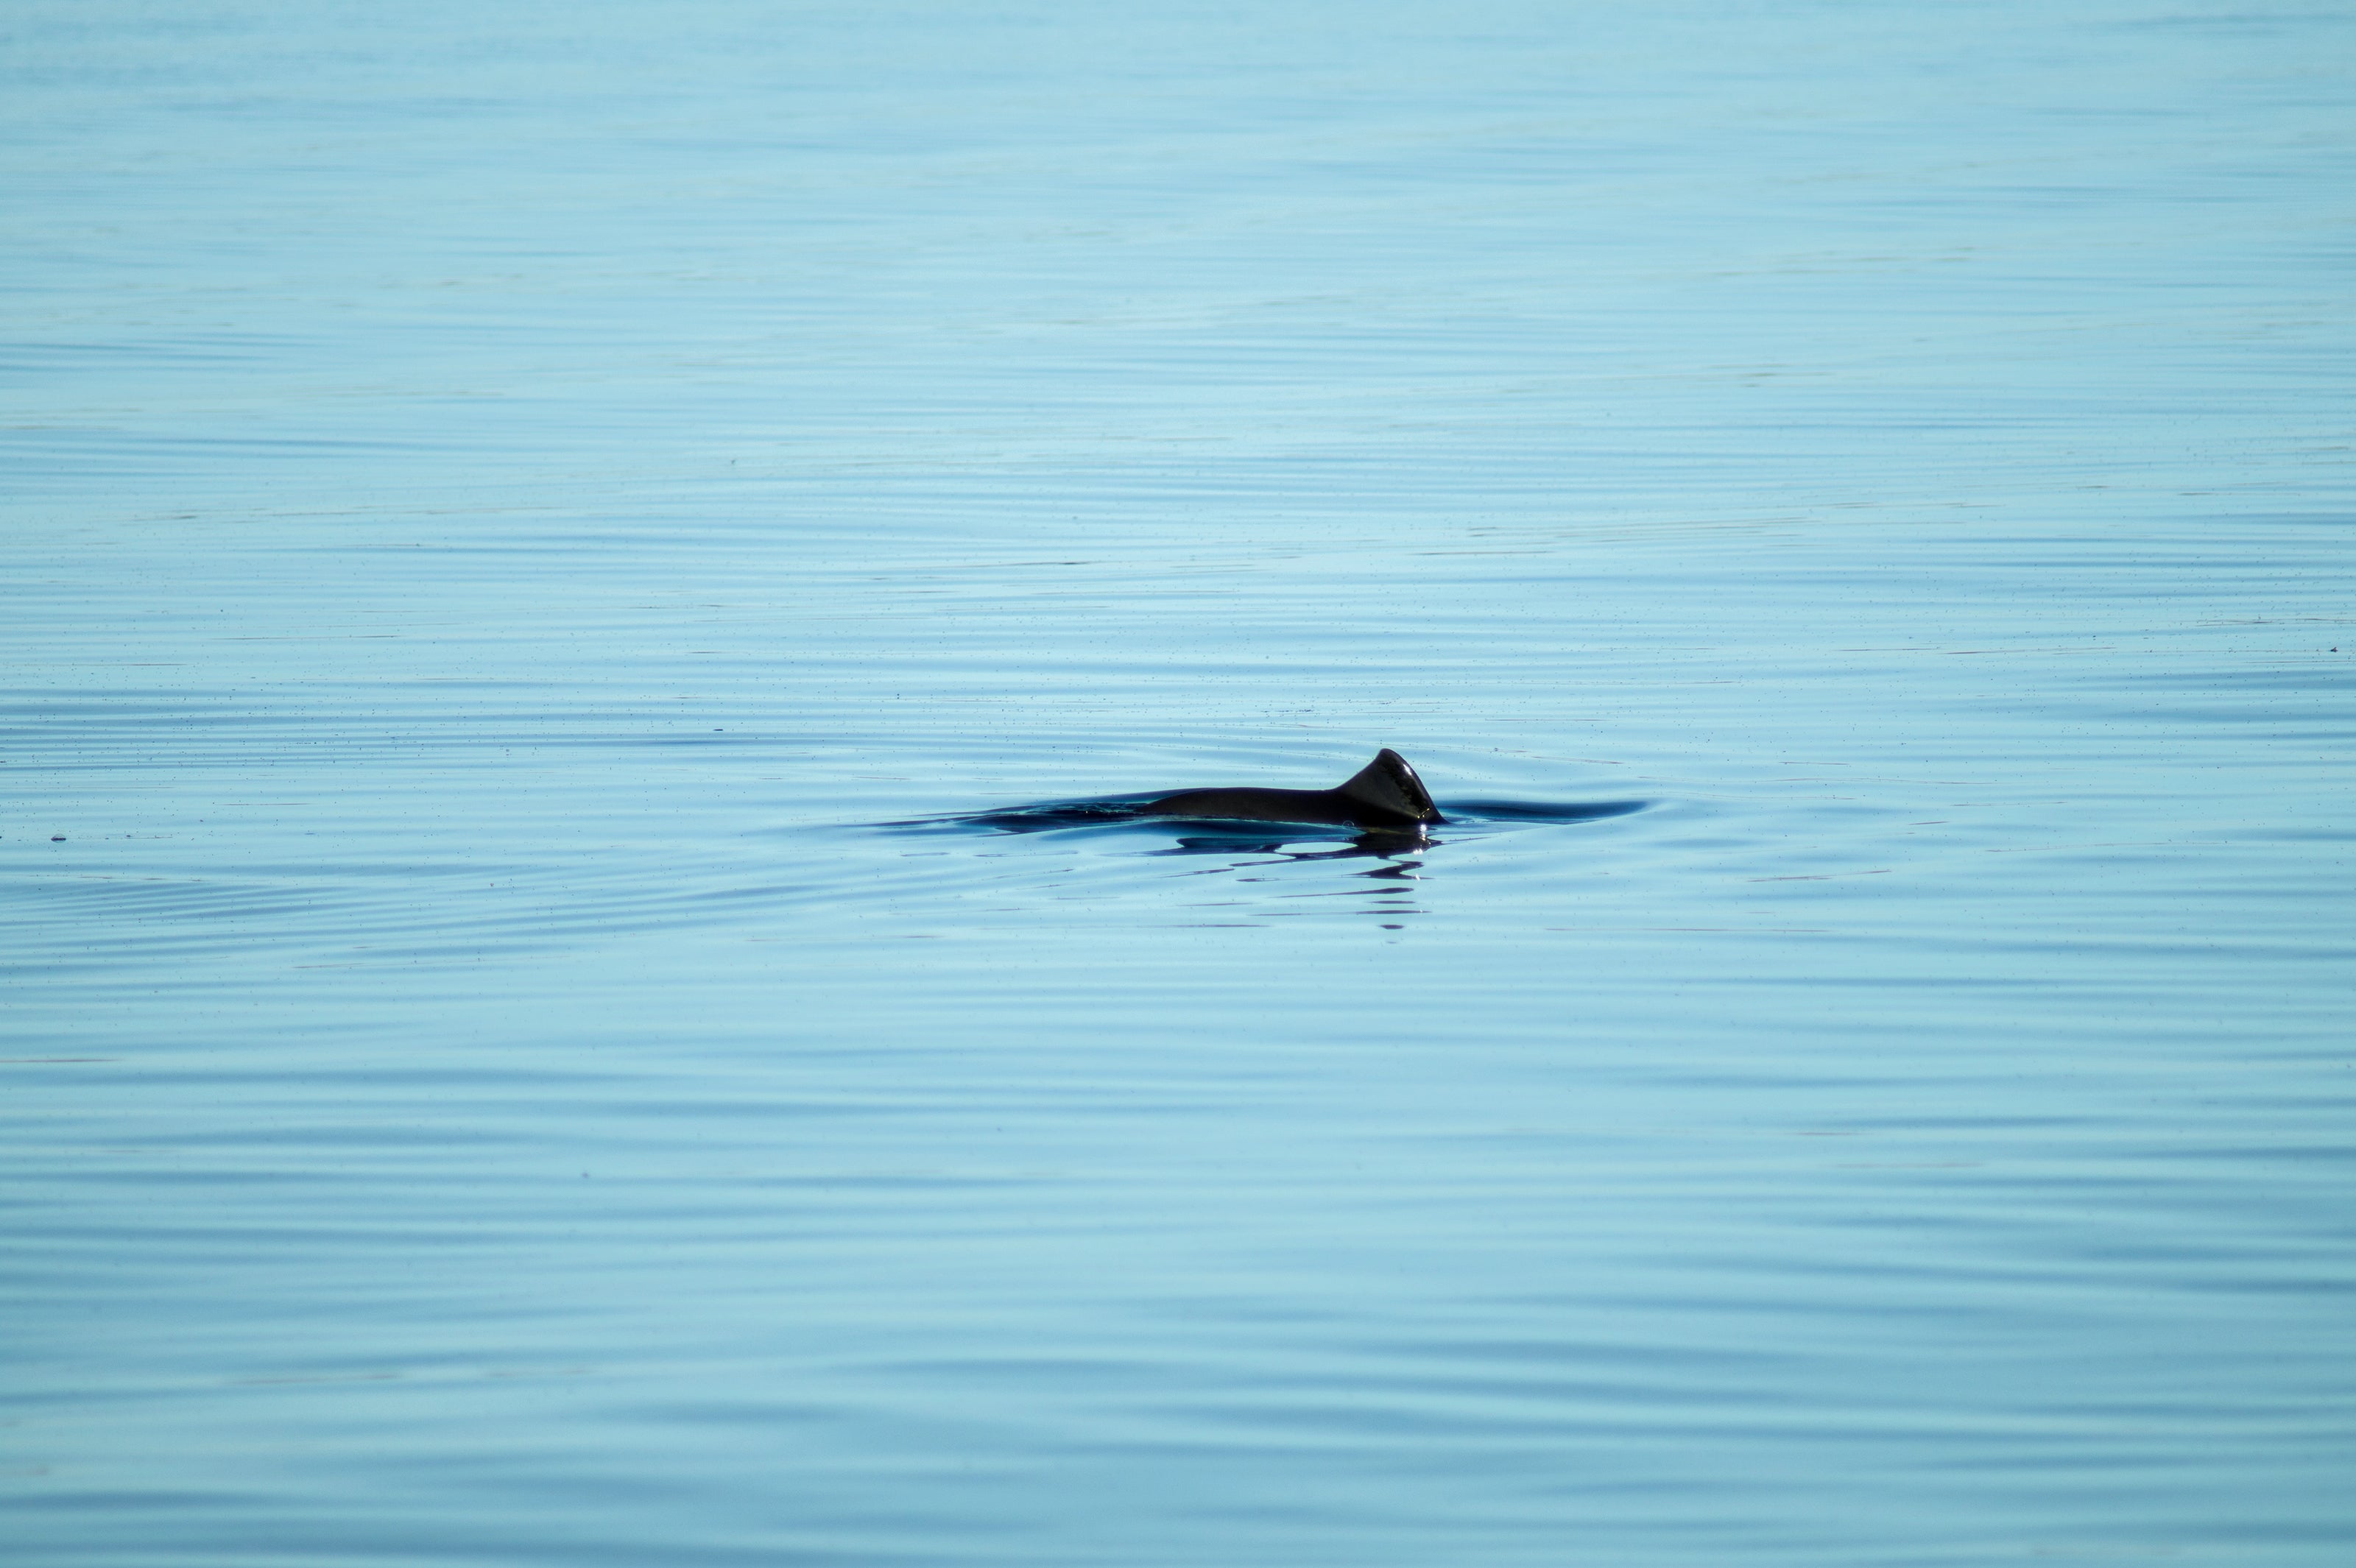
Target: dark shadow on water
[(1501, 811)]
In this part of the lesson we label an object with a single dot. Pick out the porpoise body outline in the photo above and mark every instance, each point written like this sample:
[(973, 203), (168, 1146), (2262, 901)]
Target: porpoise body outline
[(1384, 793)]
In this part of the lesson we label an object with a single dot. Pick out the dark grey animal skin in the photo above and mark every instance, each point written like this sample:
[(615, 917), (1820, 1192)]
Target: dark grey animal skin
[(1384, 794)]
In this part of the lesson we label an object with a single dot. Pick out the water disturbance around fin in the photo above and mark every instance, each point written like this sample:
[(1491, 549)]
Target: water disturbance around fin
[(1384, 804)]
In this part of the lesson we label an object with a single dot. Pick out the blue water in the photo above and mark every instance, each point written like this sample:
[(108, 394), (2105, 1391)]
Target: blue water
[(506, 508)]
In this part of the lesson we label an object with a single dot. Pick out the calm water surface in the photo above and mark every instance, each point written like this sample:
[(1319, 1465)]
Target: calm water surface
[(505, 504)]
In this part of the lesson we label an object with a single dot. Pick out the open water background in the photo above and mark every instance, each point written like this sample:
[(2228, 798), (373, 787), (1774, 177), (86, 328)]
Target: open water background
[(501, 500)]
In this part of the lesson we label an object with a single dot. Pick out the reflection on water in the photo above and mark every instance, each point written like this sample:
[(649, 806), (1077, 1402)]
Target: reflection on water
[(1392, 896)]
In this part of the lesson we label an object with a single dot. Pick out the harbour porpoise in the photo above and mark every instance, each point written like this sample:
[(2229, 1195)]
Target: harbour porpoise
[(1384, 804), (1384, 794)]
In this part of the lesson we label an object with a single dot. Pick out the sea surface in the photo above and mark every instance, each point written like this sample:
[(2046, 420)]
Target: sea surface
[(532, 536)]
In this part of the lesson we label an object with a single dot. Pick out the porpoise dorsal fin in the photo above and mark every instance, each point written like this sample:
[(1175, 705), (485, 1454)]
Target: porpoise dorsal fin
[(1389, 785)]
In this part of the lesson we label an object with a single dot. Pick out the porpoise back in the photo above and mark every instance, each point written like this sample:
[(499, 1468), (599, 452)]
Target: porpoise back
[(1384, 794)]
